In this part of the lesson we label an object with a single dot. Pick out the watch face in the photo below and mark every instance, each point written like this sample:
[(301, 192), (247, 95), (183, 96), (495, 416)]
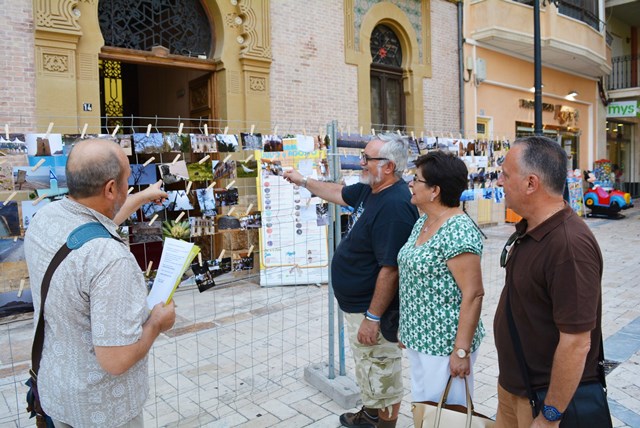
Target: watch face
[(461, 353), (550, 413)]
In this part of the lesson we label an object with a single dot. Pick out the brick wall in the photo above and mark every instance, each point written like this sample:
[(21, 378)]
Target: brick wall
[(441, 92), (310, 82), (17, 62)]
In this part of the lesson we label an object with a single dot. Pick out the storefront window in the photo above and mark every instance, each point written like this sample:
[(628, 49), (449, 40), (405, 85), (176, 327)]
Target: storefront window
[(568, 138), (619, 137)]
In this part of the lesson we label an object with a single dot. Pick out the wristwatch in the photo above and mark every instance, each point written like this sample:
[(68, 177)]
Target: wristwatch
[(551, 414), (304, 182), (462, 353)]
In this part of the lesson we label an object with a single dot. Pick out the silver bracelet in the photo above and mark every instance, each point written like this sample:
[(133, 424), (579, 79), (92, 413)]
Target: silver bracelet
[(304, 182)]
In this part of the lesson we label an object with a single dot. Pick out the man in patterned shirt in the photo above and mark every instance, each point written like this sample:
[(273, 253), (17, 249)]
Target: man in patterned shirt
[(364, 272), (98, 330)]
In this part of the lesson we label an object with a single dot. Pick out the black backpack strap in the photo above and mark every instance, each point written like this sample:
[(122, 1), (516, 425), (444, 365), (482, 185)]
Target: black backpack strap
[(77, 238)]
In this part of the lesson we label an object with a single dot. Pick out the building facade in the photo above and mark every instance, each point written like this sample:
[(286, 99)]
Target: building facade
[(365, 63)]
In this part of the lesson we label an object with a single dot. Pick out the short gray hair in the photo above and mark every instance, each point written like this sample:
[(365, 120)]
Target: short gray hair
[(545, 158), (396, 149), (86, 177)]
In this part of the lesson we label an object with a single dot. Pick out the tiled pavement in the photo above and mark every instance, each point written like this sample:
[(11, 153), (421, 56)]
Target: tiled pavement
[(237, 354)]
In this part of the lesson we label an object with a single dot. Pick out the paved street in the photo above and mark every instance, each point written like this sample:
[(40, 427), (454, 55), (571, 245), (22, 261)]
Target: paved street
[(238, 352)]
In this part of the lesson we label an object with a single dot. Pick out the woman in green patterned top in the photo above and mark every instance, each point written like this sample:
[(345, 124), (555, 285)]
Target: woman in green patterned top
[(440, 282)]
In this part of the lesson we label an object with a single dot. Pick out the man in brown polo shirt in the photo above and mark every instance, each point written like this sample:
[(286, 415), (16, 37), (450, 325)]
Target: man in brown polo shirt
[(553, 274)]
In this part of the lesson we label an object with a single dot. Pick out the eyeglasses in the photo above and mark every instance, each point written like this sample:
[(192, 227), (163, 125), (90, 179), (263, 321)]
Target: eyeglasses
[(365, 158), (506, 251), (415, 178)]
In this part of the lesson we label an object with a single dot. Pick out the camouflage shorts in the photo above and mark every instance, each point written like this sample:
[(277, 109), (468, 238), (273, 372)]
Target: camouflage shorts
[(378, 367)]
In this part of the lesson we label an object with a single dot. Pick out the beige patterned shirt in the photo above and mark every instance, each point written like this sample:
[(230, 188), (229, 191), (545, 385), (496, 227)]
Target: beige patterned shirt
[(97, 297)]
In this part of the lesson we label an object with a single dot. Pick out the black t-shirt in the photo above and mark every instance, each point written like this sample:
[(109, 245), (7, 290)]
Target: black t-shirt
[(381, 224)]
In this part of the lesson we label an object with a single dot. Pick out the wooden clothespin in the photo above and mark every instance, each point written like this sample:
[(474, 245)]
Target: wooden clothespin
[(200, 259), (148, 130), (84, 130), (204, 159), (180, 128), (221, 255), (206, 130), (249, 158), (361, 131), (422, 135), (373, 132), (21, 288), (228, 186), (210, 186), (251, 250), (38, 165), (231, 210), (151, 159), (148, 268), (304, 132), (180, 216), (11, 196), (130, 190), (153, 219), (399, 133), (226, 158), (253, 127), (37, 201), (188, 187), (115, 131), (176, 158), (275, 130), (413, 136), (6, 131), (249, 209), (226, 129), (49, 129), (348, 130)]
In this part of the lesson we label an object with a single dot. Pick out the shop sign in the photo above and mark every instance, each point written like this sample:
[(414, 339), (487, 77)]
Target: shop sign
[(623, 109)]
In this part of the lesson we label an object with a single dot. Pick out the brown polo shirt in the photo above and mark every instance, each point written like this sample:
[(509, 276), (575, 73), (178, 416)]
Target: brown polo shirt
[(553, 274)]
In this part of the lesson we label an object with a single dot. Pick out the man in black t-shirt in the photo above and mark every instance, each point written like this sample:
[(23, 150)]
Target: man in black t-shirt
[(364, 271)]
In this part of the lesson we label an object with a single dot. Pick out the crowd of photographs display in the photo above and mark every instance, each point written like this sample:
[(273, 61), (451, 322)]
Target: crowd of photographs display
[(198, 173)]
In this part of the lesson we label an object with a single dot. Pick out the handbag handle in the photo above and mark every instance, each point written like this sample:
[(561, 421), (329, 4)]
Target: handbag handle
[(443, 400)]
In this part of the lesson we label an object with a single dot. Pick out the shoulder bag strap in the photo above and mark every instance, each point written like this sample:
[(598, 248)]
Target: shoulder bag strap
[(78, 237)]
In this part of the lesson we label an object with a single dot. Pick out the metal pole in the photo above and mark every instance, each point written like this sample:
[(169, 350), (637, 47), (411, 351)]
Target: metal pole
[(333, 223), (537, 64)]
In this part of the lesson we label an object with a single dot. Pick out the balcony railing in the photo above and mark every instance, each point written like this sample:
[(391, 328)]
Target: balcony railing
[(624, 72), (585, 11)]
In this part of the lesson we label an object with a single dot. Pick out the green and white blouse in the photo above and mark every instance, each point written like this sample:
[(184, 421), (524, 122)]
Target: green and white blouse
[(429, 296)]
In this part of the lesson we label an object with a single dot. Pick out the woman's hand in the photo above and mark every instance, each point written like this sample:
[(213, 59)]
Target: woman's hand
[(459, 367)]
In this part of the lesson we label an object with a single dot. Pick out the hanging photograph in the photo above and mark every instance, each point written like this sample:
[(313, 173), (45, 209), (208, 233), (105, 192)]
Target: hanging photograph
[(57, 170), (240, 262), (219, 267), (322, 212), (227, 142), (202, 226), (151, 144), (207, 202), (6, 177), (125, 144), (200, 171), (251, 221), (12, 304), (203, 276), (226, 197), (43, 145), (151, 208), (272, 143), (223, 169), (251, 141), (203, 143), (142, 232), (174, 172), (9, 220), (172, 142), (350, 162), (247, 169), (178, 201), (15, 145), (25, 179), (142, 175)]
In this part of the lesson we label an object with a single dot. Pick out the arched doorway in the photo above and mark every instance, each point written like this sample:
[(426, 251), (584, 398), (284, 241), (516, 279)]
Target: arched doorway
[(387, 94), (154, 61)]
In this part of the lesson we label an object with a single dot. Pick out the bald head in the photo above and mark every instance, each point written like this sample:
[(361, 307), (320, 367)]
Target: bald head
[(91, 164)]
